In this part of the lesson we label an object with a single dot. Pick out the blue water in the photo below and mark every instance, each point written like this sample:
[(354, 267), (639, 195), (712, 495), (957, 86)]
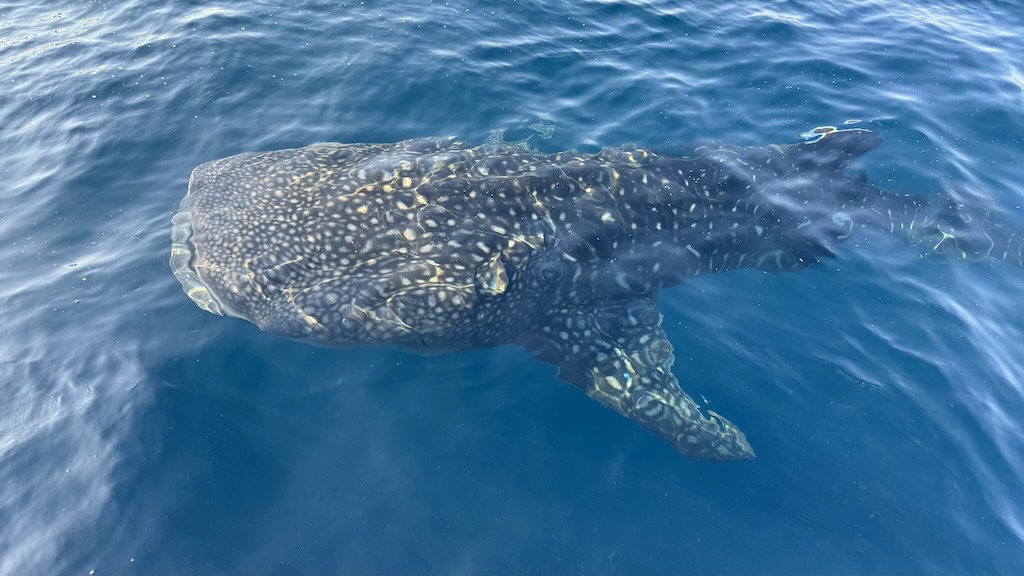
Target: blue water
[(882, 390)]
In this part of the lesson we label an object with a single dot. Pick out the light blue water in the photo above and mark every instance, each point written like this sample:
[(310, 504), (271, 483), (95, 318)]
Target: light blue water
[(138, 434)]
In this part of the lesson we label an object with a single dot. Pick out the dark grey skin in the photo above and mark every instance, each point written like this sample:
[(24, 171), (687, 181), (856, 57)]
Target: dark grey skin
[(428, 246)]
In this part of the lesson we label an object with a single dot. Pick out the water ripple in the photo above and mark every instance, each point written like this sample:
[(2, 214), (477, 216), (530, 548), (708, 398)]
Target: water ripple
[(882, 388)]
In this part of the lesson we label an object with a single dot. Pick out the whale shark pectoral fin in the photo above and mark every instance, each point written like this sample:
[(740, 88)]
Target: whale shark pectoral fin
[(619, 355)]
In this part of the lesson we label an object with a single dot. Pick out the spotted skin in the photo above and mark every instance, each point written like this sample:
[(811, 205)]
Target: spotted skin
[(431, 246)]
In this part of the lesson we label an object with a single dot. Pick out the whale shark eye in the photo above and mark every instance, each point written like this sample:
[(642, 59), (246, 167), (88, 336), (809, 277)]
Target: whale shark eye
[(551, 272)]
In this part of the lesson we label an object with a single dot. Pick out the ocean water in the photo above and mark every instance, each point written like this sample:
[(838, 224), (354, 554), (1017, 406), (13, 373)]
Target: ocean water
[(882, 390)]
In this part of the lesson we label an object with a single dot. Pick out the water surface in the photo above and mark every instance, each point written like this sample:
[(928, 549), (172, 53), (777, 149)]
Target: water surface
[(138, 434)]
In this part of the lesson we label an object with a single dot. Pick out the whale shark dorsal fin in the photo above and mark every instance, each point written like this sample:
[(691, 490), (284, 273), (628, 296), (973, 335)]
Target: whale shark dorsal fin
[(620, 356), (833, 150)]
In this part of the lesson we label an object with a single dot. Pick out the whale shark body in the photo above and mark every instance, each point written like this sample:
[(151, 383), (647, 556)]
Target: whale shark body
[(431, 246)]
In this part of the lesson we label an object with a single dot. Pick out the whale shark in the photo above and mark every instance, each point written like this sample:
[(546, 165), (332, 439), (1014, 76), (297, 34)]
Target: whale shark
[(432, 246)]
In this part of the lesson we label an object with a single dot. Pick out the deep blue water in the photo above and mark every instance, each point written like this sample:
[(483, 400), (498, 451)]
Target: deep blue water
[(882, 390)]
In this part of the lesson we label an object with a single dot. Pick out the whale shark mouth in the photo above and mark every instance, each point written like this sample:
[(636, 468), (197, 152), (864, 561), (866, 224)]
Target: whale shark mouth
[(183, 260)]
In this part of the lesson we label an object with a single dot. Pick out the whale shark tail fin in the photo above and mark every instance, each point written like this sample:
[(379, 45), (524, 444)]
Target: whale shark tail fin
[(958, 224), (968, 227), (834, 149)]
